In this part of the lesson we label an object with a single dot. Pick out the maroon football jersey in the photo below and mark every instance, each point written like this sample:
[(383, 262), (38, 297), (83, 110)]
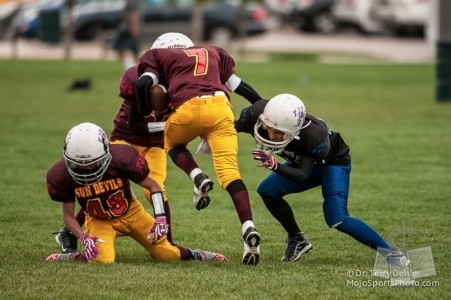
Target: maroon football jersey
[(108, 198), (121, 130), (189, 73)]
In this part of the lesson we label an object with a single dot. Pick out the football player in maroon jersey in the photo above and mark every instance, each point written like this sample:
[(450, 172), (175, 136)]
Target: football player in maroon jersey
[(99, 176), (199, 80), (145, 134)]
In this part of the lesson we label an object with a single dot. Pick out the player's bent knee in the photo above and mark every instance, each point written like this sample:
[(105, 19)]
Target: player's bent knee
[(269, 190), (334, 220), (235, 187)]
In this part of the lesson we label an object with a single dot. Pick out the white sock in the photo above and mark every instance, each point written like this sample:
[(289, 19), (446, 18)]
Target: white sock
[(194, 173), (246, 225)]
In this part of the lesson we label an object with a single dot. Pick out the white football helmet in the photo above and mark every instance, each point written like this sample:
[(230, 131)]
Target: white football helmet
[(172, 40), (86, 153), (284, 112)]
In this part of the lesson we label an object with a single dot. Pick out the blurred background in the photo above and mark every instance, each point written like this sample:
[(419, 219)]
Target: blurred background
[(218, 22)]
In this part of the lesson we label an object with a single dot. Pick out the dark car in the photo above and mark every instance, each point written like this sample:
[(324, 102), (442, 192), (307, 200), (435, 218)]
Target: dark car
[(220, 18), (314, 16), (91, 18)]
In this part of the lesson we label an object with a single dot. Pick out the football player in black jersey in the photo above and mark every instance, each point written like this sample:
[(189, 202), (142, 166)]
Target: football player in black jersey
[(315, 156)]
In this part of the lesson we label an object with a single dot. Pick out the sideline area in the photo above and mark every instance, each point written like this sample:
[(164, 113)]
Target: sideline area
[(392, 49)]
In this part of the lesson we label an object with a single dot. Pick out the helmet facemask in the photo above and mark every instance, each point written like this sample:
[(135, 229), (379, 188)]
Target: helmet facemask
[(87, 171), (266, 143)]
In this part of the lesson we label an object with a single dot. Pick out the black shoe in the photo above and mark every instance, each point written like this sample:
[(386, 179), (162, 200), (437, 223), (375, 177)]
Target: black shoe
[(251, 255), (203, 183), (66, 240), (296, 246)]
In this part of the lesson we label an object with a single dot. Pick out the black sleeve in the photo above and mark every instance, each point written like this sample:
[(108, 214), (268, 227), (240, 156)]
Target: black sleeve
[(240, 124), (135, 121), (247, 92), (249, 116), (142, 88), (299, 174)]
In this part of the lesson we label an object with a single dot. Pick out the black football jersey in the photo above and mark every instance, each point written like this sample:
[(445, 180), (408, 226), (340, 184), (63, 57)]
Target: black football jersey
[(316, 141)]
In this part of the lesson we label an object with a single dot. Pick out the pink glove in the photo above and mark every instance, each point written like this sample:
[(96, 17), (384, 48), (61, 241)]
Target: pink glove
[(159, 229), (89, 243), (267, 161)]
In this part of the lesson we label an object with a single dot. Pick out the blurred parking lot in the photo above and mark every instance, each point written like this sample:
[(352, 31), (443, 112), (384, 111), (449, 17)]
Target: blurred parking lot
[(330, 27), (393, 49)]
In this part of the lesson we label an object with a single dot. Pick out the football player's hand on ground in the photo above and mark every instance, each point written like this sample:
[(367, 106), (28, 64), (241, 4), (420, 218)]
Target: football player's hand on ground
[(266, 160), (159, 229), (89, 243)]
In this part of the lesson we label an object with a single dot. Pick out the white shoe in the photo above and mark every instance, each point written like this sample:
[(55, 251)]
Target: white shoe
[(64, 256), (394, 257), (209, 256)]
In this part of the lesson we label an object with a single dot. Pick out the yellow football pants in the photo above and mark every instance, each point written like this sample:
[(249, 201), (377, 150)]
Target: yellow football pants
[(211, 118), (135, 223)]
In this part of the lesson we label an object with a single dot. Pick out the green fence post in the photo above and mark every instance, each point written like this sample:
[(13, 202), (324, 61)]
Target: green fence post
[(49, 26)]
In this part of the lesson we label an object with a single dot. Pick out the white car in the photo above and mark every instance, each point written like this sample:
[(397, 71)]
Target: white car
[(403, 16), (359, 14)]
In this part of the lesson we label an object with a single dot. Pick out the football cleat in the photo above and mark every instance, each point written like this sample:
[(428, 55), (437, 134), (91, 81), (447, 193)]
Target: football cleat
[(202, 185), (66, 240), (65, 257), (394, 257), (251, 255), (296, 246), (209, 256), (200, 200)]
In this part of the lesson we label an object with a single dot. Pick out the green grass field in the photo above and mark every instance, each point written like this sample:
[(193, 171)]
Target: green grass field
[(400, 144)]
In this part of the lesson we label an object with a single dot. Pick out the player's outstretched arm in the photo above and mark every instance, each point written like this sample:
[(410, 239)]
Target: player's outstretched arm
[(248, 92), (237, 85)]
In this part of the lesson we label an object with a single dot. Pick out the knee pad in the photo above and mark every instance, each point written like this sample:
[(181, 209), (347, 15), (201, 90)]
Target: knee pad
[(235, 187), (174, 152)]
